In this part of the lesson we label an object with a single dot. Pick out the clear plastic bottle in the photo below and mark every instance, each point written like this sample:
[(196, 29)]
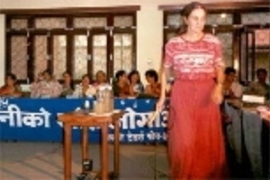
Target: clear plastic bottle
[(87, 106)]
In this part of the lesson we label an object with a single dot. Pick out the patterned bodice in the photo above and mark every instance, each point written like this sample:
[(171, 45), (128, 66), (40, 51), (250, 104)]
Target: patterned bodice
[(193, 60)]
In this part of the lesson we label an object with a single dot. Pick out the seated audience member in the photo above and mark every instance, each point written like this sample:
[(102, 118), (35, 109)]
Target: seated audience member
[(136, 87), (67, 85), (153, 88), (46, 86), (260, 87), (11, 88), (101, 78), (85, 89), (231, 88), (121, 85)]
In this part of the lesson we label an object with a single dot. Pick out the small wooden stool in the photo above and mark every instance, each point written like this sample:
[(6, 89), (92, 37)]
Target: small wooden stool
[(80, 118)]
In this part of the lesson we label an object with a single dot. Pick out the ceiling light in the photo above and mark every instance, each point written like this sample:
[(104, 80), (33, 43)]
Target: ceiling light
[(223, 15)]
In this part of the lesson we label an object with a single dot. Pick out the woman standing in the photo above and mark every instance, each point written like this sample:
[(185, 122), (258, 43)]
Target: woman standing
[(195, 140)]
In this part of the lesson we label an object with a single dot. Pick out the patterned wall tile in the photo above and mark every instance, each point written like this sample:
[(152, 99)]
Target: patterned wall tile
[(99, 53), (19, 56), (255, 18), (80, 56), (123, 21), (50, 23), (123, 57), (40, 54), (90, 22), (19, 24), (59, 55)]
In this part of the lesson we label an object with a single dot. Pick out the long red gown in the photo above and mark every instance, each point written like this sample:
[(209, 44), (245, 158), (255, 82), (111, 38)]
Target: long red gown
[(195, 140)]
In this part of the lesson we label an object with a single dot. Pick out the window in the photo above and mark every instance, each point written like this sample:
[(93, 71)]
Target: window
[(80, 43)]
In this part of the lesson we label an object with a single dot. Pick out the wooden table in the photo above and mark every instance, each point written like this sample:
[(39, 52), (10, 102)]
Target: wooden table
[(83, 119)]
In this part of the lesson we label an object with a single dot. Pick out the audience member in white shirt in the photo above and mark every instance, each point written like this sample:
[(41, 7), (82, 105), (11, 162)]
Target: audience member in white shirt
[(85, 89), (45, 86), (101, 79), (231, 88)]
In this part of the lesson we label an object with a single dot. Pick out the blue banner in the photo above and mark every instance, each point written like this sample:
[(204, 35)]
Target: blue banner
[(36, 120)]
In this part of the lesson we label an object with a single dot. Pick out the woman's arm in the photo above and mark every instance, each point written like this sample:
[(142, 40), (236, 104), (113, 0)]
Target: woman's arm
[(157, 90), (164, 75), (217, 95), (18, 91), (220, 75), (147, 89), (163, 83), (124, 92), (2, 90), (131, 90), (165, 67)]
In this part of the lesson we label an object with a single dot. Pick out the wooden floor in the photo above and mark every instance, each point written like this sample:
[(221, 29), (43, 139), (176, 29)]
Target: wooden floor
[(43, 161)]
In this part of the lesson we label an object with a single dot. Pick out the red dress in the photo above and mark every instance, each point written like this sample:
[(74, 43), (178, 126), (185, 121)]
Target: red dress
[(195, 140)]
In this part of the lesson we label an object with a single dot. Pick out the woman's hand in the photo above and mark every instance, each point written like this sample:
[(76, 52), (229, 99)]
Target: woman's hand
[(160, 104), (217, 96)]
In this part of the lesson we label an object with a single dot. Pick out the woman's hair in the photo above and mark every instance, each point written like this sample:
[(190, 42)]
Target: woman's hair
[(48, 71), (12, 76), (152, 73), (187, 10), (72, 84), (102, 72), (261, 70), (133, 73), (119, 74), (67, 72), (86, 76), (230, 70)]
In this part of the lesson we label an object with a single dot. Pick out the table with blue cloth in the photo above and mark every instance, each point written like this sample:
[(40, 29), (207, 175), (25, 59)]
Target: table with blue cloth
[(36, 120)]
